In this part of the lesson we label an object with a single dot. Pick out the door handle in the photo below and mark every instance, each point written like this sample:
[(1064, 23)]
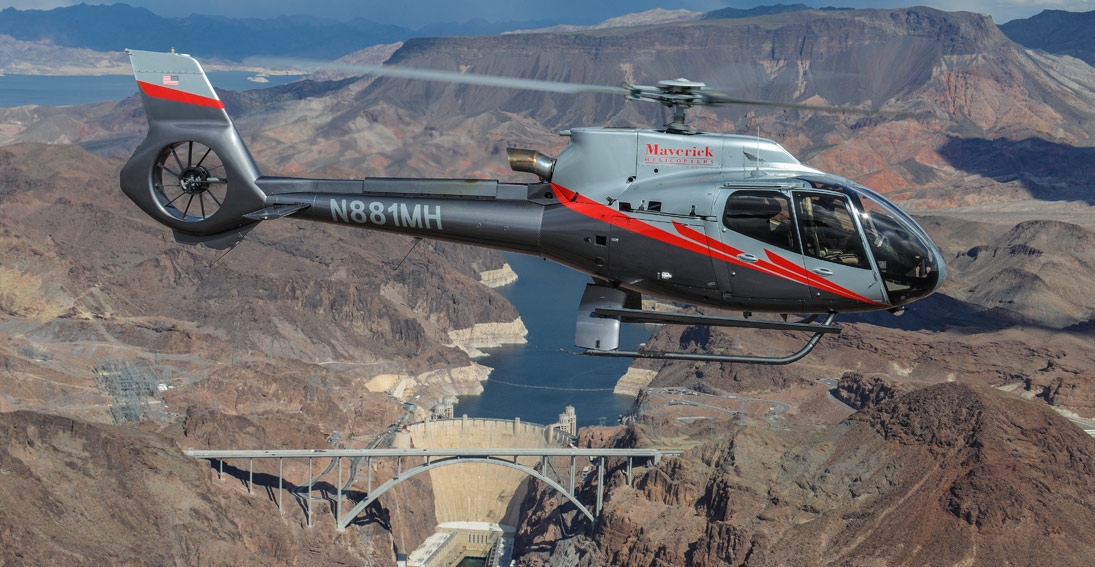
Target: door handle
[(823, 272), (747, 257)]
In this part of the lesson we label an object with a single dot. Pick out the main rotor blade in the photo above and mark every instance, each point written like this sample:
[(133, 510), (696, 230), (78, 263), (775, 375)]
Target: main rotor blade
[(719, 99), (472, 79), (699, 97)]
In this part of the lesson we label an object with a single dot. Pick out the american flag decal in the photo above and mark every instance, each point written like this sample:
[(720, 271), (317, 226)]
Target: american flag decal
[(171, 80)]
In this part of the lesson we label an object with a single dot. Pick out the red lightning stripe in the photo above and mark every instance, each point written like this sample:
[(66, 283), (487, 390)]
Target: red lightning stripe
[(597, 211), (779, 266), (156, 91), (697, 242)]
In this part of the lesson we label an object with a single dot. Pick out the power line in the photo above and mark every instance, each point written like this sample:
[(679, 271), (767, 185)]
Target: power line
[(550, 387)]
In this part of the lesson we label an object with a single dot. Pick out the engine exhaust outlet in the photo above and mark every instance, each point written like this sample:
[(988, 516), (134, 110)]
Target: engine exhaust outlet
[(531, 161)]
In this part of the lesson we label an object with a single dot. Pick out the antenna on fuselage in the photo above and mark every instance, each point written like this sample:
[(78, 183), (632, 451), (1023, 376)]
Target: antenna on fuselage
[(756, 158), (757, 168)]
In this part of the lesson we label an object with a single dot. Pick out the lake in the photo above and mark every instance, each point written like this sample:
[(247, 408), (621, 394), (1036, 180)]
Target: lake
[(537, 380), (19, 90)]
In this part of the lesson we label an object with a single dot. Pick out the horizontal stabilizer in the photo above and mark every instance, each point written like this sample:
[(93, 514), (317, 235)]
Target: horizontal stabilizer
[(275, 212)]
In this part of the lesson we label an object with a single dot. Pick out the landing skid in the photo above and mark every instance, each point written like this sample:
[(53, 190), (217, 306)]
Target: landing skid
[(600, 315), (819, 330)]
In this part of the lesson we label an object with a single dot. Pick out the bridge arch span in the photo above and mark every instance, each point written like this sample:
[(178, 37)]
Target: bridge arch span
[(425, 467)]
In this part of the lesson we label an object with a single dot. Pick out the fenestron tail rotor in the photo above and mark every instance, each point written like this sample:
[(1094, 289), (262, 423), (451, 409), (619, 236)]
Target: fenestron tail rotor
[(189, 181)]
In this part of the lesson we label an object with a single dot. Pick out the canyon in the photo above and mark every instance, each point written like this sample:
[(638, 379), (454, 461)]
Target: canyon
[(302, 330)]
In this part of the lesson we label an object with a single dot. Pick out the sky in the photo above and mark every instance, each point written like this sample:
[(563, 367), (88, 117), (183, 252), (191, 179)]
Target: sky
[(416, 13)]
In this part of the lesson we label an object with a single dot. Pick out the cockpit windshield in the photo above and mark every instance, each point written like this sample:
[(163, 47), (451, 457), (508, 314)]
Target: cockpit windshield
[(907, 259), (907, 262)]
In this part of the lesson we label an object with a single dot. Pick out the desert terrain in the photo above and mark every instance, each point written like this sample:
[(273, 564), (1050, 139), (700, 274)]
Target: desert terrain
[(938, 437)]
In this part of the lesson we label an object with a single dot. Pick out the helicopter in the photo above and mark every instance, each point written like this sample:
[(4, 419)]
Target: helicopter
[(728, 221)]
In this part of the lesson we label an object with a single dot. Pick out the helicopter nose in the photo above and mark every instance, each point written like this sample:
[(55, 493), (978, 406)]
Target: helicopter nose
[(941, 267), (910, 264), (931, 272)]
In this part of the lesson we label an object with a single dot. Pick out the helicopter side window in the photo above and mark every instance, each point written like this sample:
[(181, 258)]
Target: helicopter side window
[(763, 215), (828, 231)]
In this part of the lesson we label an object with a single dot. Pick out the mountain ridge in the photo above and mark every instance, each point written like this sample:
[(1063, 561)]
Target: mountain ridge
[(1056, 31), (112, 28)]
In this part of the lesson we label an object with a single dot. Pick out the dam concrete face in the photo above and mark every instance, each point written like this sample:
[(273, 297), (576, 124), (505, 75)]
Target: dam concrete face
[(479, 492)]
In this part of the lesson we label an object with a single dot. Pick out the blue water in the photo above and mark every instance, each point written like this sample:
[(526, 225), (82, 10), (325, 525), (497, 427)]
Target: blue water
[(18, 90), (547, 295)]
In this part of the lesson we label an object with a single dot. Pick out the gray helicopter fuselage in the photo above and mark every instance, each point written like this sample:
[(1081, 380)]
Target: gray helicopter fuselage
[(722, 220), (665, 196), (642, 210)]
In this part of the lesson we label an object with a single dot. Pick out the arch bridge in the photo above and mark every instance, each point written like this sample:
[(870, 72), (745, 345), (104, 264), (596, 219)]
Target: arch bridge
[(423, 460)]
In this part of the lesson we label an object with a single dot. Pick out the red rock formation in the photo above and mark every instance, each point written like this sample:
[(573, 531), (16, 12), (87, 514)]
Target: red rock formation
[(943, 475), (861, 392)]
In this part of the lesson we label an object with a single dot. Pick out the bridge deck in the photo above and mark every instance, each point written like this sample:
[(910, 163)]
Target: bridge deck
[(378, 453)]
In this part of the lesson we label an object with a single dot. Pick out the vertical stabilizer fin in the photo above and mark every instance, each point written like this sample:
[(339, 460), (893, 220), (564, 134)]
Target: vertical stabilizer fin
[(174, 86), (192, 172)]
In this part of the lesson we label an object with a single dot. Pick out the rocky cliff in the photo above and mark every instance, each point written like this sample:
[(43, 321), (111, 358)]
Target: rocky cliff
[(79, 493), (860, 392), (945, 475)]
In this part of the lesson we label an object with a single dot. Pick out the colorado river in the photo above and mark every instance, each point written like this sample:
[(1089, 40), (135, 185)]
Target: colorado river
[(536, 380)]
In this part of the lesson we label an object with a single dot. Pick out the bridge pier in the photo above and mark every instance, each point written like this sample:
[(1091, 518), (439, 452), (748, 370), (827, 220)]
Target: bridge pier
[(600, 485), (310, 492), (572, 474)]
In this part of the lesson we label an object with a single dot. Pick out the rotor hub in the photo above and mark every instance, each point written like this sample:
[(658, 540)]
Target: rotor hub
[(680, 86), (193, 180)]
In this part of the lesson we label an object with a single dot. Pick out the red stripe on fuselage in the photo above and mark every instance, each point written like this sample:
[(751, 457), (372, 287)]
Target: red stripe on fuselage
[(597, 211), (818, 282), (695, 241), (156, 91), (779, 266)]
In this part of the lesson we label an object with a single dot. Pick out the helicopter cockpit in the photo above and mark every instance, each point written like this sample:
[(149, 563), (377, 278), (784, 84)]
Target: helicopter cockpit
[(842, 232), (907, 260)]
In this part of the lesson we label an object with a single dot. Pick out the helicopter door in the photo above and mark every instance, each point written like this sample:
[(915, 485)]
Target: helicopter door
[(758, 230), (833, 246)]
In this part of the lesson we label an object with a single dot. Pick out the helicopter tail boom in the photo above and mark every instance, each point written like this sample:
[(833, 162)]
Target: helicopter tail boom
[(477, 212), (194, 174)]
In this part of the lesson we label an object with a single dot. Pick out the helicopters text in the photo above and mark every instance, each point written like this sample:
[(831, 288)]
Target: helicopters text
[(729, 221)]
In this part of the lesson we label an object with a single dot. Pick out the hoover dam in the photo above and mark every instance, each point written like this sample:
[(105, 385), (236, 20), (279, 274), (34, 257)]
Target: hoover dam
[(476, 505)]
